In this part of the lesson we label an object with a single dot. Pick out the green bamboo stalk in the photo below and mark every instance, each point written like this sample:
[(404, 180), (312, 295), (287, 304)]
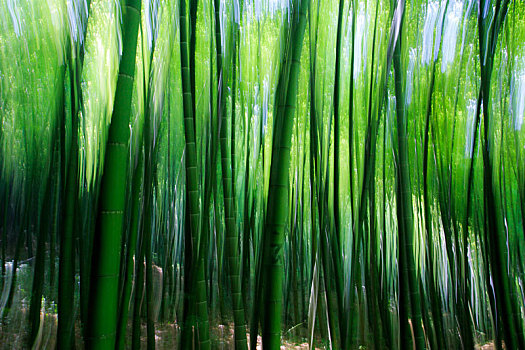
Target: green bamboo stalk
[(21, 233), (367, 193), (257, 241), (278, 190), (39, 265), (135, 231), (248, 207), (150, 159), (383, 298), (66, 281), (102, 320), (435, 302), (55, 214), (147, 233), (231, 238), (408, 279), (45, 226), (355, 237), (338, 53), (488, 37), (336, 241), (192, 176), (318, 290), (188, 316), (138, 293), (209, 178), (247, 227), (82, 235), (235, 58), (138, 175)]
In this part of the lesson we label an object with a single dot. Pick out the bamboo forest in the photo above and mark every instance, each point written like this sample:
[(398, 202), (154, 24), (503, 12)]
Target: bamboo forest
[(262, 174)]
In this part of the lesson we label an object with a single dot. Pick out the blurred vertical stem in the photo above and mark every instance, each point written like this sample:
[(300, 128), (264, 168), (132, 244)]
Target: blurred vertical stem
[(278, 190), (66, 276), (507, 313), (231, 238), (198, 287), (102, 320), (408, 279), (136, 189), (337, 88)]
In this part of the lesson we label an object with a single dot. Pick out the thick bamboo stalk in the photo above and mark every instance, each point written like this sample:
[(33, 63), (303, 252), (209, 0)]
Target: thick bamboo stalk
[(278, 190), (102, 320), (231, 238), (196, 279), (138, 176)]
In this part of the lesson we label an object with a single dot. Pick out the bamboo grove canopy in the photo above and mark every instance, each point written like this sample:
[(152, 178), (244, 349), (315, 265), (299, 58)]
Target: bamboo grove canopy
[(227, 173)]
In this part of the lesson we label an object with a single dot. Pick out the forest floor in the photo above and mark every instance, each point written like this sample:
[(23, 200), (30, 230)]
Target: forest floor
[(167, 337), (14, 333), (14, 330)]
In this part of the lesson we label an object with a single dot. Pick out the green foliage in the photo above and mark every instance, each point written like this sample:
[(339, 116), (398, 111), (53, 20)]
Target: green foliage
[(355, 206)]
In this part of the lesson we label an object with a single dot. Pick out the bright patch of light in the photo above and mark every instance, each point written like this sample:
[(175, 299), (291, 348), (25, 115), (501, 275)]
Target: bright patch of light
[(360, 43), (410, 74), (450, 35), (517, 96), (14, 11), (428, 31), (76, 16), (471, 114)]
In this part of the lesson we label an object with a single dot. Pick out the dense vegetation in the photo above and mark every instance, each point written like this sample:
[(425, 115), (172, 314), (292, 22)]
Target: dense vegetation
[(343, 174)]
